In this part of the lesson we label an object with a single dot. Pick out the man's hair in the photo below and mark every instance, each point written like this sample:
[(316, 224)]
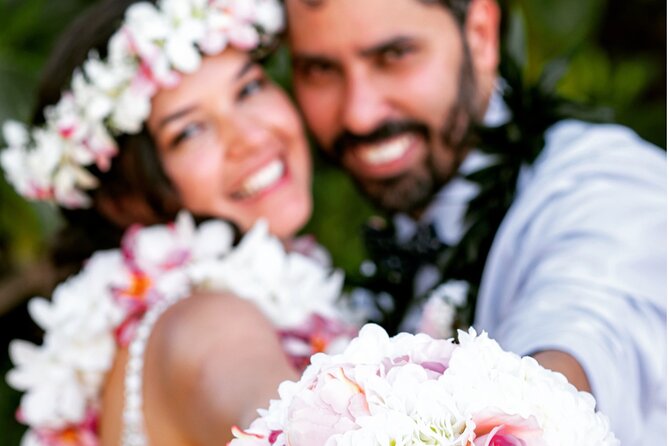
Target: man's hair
[(457, 7)]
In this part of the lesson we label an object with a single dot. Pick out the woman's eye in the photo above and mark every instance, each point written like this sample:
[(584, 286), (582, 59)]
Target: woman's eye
[(252, 87), (188, 132)]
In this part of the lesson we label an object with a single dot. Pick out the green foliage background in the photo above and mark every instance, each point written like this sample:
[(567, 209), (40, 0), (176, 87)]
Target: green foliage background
[(616, 54)]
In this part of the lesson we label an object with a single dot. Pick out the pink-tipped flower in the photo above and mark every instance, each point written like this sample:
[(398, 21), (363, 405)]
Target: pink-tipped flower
[(495, 428)]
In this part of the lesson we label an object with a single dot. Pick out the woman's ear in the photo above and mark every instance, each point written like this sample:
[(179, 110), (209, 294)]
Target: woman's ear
[(482, 28)]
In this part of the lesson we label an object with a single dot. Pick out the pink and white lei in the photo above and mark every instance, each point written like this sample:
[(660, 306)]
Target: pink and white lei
[(150, 51), (95, 312), (415, 390)]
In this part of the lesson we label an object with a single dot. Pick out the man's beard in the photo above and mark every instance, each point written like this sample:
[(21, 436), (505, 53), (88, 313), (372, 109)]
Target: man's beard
[(412, 191)]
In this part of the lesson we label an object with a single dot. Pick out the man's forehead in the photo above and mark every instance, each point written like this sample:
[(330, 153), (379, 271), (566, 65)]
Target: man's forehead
[(358, 25)]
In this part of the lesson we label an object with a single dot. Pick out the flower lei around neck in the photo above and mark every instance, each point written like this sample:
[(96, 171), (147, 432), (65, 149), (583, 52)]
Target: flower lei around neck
[(514, 144), (155, 45), (99, 310)]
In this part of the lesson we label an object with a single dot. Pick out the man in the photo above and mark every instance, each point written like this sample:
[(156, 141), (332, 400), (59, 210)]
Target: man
[(576, 275)]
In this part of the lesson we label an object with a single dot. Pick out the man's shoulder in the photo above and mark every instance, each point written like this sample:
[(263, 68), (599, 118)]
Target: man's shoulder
[(574, 137), (580, 148), (595, 168)]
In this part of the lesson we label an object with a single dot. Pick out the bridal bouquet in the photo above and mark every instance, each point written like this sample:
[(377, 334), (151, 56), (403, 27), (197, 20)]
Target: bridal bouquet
[(415, 390)]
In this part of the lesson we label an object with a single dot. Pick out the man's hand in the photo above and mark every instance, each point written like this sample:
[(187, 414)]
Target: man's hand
[(567, 365)]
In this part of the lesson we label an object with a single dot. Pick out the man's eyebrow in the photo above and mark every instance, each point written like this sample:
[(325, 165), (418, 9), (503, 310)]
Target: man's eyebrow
[(382, 47), (303, 58), (317, 59)]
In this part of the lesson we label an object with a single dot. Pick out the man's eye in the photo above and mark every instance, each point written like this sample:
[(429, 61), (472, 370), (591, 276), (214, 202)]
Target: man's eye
[(316, 71), (395, 54)]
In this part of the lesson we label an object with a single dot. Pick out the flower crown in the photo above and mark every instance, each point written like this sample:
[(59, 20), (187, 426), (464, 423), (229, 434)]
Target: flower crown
[(153, 47)]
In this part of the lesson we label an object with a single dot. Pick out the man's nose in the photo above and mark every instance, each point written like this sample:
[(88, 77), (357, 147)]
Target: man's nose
[(365, 105)]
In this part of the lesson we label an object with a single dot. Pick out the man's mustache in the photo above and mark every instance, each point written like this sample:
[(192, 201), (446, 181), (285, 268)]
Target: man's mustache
[(347, 140)]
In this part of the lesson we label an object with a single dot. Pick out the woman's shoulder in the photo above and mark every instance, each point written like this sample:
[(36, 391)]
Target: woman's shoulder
[(205, 320), (206, 362)]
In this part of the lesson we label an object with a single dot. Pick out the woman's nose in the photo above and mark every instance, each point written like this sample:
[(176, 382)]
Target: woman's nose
[(249, 135)]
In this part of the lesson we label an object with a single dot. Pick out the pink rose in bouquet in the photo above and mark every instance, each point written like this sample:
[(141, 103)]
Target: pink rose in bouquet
[(416, 390)]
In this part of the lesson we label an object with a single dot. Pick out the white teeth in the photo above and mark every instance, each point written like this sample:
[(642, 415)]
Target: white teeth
[(263, 178), (386, 152)]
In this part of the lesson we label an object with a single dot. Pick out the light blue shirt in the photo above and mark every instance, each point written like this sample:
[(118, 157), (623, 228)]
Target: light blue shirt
[(579, 264)]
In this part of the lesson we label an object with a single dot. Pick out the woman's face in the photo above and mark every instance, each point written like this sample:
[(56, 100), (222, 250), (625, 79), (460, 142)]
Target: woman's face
[(233, 146)]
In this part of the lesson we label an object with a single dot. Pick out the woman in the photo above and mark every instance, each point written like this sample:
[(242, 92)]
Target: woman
[(213, 136)]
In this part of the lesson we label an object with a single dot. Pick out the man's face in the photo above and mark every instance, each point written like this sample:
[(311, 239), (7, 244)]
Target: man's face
[(388, 90)]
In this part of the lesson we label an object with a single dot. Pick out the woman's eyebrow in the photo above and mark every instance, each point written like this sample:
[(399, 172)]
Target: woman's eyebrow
[(174, 116)]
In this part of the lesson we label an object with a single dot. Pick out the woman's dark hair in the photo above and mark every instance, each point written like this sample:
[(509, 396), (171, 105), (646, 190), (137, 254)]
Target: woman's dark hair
[(135, 172)]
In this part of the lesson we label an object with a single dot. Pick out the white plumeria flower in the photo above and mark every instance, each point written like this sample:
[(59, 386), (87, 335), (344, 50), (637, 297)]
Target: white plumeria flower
[(243, 10), (14, 162), (67, 122), (453, 292), (182, 54), (91, 355), (155, 250), (15, 134), (269, 15), (131, 108), (437, 318), (146, 24), (53, 396), (101, 145), (213, 239), (180, 45), (31, 171), (91, 89), (48, 153), (438, 313), (107, 77), (30, 439), (173, 284), (216, 37), (244, 36), (14, 159), (67, 184), (55, 406), (84, 305)]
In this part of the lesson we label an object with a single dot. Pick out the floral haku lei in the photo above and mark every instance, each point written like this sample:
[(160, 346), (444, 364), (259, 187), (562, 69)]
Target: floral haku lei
[(150, 51), (93, 313), (415, 390)]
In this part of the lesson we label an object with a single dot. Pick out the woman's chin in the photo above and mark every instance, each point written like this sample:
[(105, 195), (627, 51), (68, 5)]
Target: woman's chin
[(290, 219)]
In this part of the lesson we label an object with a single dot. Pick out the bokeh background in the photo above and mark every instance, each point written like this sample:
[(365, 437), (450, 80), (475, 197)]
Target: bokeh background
[(616, 52)]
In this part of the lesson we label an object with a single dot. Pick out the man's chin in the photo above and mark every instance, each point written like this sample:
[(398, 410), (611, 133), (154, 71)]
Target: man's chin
[(398, 195)]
